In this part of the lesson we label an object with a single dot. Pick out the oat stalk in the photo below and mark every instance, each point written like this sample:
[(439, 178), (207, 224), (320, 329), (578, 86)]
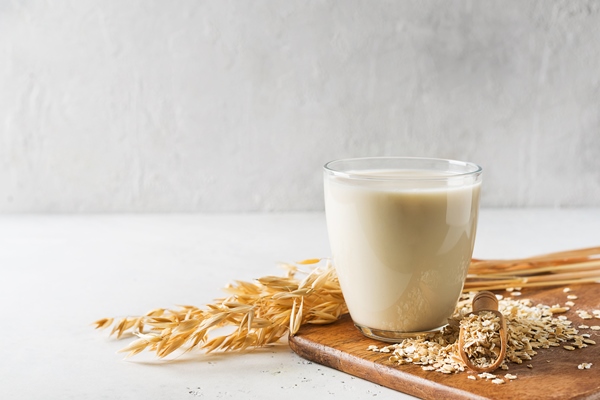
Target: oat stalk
[(554, 269), (257, 314), (262, 312)]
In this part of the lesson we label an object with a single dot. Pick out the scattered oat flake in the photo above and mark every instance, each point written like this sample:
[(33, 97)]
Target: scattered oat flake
[(572, 297), (569, 303), (498, 381), (595, 328), (585, 366), (515, 294), (566, 290), (533, 328), (373, 348), (583, 327), (510, 376), (570, 348), (584, 314), (472, 377)]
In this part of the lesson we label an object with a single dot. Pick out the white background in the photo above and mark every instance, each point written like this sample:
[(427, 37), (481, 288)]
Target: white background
[(234, 106)]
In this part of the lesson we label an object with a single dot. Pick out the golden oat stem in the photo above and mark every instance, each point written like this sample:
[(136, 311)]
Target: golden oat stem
[(594, 274), (531, 263), (554, 269), (500, 286), (533, 270)]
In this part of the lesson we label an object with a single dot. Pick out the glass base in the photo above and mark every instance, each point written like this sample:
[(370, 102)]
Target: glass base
[(393, 336)]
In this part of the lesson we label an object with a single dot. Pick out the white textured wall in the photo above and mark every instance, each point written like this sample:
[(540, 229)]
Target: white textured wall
[(235, 105)]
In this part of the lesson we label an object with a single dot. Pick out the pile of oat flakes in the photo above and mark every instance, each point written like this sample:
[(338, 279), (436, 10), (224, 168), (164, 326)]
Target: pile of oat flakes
[(530, 327)]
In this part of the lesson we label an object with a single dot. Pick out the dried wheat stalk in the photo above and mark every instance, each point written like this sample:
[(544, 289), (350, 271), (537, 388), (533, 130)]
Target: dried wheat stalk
[(262, 312)]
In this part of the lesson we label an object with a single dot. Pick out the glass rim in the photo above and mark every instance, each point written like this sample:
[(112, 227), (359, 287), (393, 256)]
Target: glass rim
[(475, 169)]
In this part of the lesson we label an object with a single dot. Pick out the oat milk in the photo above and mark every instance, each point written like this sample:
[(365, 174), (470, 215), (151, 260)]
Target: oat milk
[(401, 249)]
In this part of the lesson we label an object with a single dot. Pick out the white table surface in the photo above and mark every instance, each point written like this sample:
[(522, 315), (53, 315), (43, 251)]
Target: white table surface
[(59, 273)]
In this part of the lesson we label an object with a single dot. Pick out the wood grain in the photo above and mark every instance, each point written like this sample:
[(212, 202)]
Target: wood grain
[(554, 374)]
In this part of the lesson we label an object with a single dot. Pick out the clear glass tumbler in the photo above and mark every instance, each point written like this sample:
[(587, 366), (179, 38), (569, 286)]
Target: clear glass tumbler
[(401, 232)]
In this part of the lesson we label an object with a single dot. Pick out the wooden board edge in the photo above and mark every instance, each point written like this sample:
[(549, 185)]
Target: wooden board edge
[(356, 366)]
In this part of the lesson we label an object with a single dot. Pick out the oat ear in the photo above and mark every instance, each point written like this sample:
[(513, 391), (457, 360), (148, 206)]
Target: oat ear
[(261, 313)]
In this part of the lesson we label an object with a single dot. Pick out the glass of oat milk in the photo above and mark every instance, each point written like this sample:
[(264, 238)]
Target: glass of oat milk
[(401, 232)]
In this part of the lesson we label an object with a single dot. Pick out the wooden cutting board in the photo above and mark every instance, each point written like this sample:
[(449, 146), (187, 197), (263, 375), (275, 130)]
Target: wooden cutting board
[(554, 373)]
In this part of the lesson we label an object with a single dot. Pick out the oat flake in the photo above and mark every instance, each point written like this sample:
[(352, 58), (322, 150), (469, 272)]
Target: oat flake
[(529, 327)]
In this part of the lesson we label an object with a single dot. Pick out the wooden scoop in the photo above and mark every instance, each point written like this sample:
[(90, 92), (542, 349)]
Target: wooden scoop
[(485, 301)]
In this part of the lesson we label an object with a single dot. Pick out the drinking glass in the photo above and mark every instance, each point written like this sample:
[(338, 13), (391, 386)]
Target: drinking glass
[(401, 231)]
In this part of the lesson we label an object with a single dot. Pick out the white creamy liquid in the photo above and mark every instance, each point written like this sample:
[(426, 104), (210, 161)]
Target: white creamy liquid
[(401, 250)]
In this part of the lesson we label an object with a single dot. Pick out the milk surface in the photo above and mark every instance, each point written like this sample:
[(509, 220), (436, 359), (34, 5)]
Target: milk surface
[(401, 249)]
